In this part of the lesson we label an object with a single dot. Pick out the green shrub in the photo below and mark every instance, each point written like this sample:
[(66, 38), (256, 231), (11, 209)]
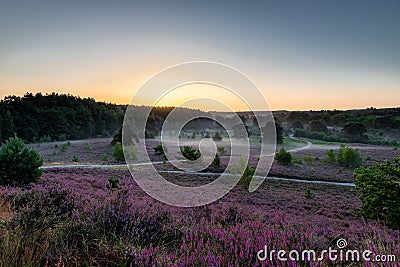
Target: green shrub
[(44, 139), (19, 165), (75, 159), (296, 160), (160, 149), (221, 150), (190, 153), (131, 152), (217, 160), (89, 147), (349, 157), (118, 152), (113, 183), (308, 194), (318, 136), (283, 157), (64, 147), (308, 158), (379, 190), (330, 156), (247, 176), (217, 137), (104, 158)]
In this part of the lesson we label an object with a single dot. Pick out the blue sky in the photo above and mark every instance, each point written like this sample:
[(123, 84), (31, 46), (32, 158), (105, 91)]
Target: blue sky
[(302, 54)]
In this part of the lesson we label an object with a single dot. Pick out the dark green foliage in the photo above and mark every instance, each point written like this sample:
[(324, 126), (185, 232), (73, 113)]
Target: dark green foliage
[(318, 126), (221, 150), (308, 194), (117, 137), (355, 132), (7, 127), (89, 147), (296, 160), (118, 152), (45, 138), (57, 116), (308, 158), (64, 147), (330, 156), (113, 183), (342, 118), (301, 116), (217, 160), (283, 157), (318, 136), (349, 157), (75, 159), (379, 189), (297, 125), (369, 121), (190, 153), (247, 176), (160, 149), (19, 165), (217, 137), (278, 131), (386, 122)]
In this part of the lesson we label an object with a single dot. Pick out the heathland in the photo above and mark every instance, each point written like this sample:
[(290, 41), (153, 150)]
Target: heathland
[(87, 210)]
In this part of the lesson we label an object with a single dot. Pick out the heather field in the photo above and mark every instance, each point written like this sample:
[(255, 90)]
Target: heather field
[(77, 217), (100, 217)]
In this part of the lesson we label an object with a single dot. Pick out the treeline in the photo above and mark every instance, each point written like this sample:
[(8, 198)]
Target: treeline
[(370, 117), (49, 117), (364, 126)]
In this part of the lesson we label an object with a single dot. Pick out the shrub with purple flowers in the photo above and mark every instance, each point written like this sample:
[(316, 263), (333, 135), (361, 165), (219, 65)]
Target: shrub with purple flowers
[(72, 219)]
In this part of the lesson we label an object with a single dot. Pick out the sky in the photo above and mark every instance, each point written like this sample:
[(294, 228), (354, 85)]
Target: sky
[(303, 55)]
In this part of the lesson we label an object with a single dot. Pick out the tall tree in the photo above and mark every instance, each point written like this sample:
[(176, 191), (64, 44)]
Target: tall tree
[(6, 126)]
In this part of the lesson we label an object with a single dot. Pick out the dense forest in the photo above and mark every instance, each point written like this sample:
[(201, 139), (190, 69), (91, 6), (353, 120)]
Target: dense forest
[(38, 117), (51, 117), (58, 117)]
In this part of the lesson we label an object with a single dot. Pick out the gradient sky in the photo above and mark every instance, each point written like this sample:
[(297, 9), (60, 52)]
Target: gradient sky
[(302, 54)]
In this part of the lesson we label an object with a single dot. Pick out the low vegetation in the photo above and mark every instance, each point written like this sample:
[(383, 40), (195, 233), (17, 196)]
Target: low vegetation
[(346, 156), (221, 150), (121, 153), (102, 218), (160, 149), (216, 160), (283, 157), (190, 153), (349, 157), (217, 137), (118, 152)]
